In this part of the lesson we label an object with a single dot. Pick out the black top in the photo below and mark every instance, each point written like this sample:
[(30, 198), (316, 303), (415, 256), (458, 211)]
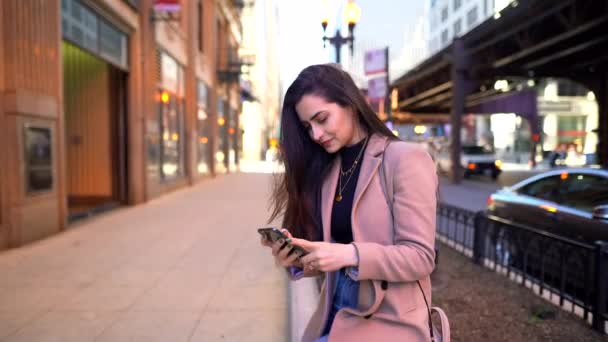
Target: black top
[(341, 227)]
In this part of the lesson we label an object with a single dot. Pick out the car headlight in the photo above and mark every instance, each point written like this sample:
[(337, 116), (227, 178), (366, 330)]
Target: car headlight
[(498, 163)]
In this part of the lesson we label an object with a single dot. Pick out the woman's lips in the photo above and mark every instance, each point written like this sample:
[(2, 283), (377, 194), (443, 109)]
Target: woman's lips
[(326, 142)]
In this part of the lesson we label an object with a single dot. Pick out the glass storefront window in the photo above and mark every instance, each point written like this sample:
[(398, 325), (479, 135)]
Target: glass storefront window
[(172, 133), (165, 129), (153, 138), (232, 136), (203, 165), (221, 158)]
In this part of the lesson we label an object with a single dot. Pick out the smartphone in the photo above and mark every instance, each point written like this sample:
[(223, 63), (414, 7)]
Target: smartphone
[(273, 234)]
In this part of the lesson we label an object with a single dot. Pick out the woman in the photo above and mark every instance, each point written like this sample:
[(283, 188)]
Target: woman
[(340, 162)]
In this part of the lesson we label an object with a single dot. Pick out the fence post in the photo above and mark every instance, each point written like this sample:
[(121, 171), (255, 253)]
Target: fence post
[(601, 285), (479, 238)]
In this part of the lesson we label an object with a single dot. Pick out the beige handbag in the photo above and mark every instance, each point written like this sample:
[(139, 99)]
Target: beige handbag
[(442, 335)]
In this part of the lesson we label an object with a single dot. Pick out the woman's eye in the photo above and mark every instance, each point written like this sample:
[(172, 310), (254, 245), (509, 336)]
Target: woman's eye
[(322, 120)]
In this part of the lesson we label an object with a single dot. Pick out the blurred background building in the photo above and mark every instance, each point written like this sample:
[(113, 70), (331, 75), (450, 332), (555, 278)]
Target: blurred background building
[(448, 19), (112, 102), (567, 111), (260, 115)]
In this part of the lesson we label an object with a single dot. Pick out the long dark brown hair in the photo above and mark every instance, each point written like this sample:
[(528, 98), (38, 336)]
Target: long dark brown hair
[(296, 192)]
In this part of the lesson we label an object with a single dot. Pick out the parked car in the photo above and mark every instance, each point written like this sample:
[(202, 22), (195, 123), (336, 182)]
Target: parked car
[(569, 202), (474, 160)]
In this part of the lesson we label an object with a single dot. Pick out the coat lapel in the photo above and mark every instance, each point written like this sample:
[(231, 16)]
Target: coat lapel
[(327, 198), (369, 167)]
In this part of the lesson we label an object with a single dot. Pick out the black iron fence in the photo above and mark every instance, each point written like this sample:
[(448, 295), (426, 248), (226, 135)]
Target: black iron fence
[(568, 273), (456, 228)]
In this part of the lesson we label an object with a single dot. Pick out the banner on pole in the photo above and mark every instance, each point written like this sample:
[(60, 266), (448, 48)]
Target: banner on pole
[(377, 88), (171, 6), (375, 61)]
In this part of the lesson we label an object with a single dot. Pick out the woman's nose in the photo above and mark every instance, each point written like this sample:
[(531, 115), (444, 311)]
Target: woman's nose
[(316, 133)]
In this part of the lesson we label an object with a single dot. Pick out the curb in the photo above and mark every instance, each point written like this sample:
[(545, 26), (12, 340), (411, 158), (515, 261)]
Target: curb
[(302, 301)]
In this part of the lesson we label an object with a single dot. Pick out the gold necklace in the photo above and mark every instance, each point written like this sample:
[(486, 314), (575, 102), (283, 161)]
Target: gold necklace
[(350, 170)]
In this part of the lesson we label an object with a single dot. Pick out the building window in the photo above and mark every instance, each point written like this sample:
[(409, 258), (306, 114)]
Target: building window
[(444, 37), (38, 159), (221, 158), (233, 139), (171, 118), (433, 21), (457, 27), (83, 27), (457, 4), (567, 88), (444, 14), (172, 132), (203, 129), (472, 17), (219, 43), (199, 13)]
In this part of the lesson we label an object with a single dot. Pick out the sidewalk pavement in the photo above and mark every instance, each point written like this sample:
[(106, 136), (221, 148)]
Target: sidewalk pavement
[(185, 267)]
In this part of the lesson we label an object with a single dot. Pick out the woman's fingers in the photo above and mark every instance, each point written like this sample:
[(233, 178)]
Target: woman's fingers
[(284, 255), (291, 260), (307, 245), (307, 259), (265, 242), (282, 250)]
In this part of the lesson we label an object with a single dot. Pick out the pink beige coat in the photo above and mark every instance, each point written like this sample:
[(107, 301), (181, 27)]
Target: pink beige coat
[(393, 254)]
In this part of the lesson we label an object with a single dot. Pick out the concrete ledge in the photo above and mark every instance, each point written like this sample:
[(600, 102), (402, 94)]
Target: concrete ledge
[(303, 296)]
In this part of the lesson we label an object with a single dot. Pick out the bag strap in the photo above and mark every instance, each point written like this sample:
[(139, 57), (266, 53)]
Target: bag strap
[(388, 196), (445, 324), (388, 190), (428, 309)]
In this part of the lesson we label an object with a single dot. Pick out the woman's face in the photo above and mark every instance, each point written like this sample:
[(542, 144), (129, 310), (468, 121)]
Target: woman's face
[(329, 124)]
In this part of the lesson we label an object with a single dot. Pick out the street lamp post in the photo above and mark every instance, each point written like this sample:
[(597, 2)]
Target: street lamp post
[(352, 13)]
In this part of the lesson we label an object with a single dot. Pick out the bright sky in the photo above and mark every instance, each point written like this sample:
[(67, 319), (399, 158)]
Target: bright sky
[(398, 24)]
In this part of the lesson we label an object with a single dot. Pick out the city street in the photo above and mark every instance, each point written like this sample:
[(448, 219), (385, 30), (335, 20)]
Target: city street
[(472, 194), (469, 194), (185, 267)]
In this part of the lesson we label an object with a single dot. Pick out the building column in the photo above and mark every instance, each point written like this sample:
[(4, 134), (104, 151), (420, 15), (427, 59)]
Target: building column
[(191, 157), (458, 103), (602, 131), (30, 100), (136, 112)]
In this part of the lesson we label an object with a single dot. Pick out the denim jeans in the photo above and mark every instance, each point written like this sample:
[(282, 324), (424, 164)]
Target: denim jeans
[(346, 294)]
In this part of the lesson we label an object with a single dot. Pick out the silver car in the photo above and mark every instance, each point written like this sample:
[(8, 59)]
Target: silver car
[(570, 202)]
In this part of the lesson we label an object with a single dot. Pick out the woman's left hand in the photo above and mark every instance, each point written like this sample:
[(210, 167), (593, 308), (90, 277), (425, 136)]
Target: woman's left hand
[(325, 256)]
